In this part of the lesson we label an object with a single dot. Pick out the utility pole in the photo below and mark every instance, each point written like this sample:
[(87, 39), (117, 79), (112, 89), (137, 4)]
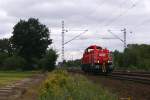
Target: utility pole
[(63, 41), (125, 36)]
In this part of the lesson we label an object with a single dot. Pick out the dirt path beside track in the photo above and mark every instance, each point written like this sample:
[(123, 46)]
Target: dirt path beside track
[(32, 92), (26, 89)]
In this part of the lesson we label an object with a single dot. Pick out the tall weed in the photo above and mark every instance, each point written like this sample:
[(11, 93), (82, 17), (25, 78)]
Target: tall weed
[(60, 85)]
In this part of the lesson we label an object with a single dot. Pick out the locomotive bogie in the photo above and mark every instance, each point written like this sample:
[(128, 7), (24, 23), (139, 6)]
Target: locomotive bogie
[(97, 68)]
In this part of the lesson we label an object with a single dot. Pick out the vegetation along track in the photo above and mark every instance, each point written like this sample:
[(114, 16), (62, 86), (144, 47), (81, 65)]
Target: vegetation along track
[(136, 76)]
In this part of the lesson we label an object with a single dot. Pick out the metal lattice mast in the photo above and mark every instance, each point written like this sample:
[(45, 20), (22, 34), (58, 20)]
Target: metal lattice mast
[(125, 35), (124, 40), (63, 41)]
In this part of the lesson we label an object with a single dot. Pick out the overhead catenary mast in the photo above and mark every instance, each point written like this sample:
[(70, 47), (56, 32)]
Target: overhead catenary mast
[(117, 37), (125, 33), (63, 41)]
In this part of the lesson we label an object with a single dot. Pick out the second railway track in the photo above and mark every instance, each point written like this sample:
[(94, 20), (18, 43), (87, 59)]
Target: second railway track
[(140, 77)]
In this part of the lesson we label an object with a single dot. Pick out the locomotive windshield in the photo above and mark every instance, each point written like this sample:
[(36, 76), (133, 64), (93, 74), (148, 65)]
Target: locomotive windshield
[(89, 50), (99, 48)]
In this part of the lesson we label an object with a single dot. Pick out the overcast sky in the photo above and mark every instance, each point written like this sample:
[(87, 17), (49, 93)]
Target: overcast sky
[(96, 16)]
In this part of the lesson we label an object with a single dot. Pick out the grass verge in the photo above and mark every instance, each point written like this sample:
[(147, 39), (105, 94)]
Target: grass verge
[(60, 85), (8, 77)]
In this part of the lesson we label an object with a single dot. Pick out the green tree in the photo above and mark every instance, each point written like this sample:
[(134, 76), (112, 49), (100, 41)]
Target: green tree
[(3, 56), (5, 50), (30, 39), (5, 46), (118, 58), (134, 56), (14, 63), (73, 63), (49, 60)]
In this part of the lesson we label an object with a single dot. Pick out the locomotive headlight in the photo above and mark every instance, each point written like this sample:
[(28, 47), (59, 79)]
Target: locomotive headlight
[(109, 61)]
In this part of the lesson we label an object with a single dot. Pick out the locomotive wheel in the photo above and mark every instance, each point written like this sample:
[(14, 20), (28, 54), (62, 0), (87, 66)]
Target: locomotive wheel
[(104, 68)]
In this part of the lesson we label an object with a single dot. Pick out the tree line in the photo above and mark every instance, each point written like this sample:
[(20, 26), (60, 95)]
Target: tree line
[(27, 48), (72, 63), (135, 56)]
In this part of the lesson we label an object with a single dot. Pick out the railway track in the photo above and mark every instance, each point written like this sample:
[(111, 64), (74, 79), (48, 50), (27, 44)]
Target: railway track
[(141, 77)]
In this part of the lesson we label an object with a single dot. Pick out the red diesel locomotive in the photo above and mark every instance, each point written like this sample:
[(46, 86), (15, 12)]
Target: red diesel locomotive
[(96, 59)]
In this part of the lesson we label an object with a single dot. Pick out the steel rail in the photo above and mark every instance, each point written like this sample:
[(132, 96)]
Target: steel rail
[(140, 77)]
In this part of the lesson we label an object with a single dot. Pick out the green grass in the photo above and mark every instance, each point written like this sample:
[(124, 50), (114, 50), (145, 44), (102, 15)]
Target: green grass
[(60, 85), (8, 77)]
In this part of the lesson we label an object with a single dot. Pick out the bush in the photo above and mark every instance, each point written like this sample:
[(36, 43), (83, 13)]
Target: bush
[(3, 56), (61, 86), (48, 61), (14, 63)]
